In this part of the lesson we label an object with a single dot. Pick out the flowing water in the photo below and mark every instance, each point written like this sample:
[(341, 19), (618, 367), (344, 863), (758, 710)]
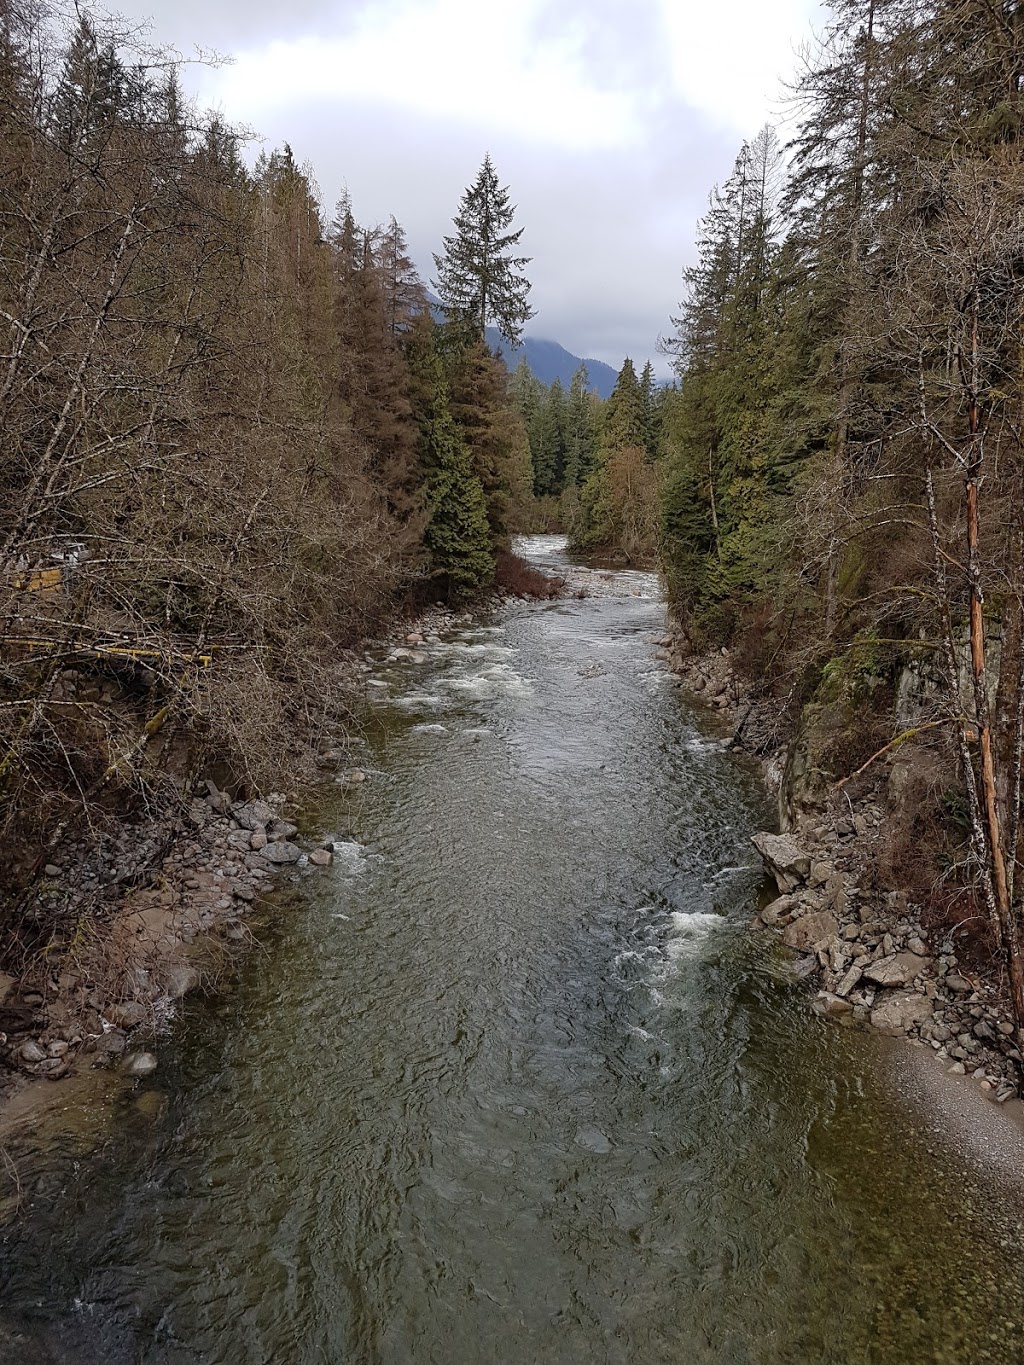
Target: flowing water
[(513, 1082)]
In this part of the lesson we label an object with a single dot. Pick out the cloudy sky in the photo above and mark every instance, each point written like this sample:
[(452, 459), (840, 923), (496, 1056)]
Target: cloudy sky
[(610, 122)]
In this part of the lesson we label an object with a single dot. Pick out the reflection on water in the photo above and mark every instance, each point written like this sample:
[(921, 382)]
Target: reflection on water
[(515, 1084)]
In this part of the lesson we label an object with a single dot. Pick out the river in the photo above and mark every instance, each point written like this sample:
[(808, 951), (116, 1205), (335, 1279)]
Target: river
[(515, 1083)]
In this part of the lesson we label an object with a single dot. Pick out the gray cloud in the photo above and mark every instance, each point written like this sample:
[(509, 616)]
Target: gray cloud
[(609, 230)]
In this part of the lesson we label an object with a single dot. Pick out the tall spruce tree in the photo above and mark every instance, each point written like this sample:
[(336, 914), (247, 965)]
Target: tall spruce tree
[(479, 280)]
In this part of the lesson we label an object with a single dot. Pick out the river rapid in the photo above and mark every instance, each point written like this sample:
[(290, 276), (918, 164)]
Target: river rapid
[(513, 1082)]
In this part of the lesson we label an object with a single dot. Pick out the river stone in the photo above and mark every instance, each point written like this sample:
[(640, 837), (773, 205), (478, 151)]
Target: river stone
[(128, 1015), (899, 1011), (139, 1064), (807, 931), (178, 979), (254, 814), (895, 971), (850, 980), (784, 858), (283, 852), (831, 1006), (771, 914), (321, 857)]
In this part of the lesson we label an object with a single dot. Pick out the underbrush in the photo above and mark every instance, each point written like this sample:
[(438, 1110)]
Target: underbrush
[(514, 575)]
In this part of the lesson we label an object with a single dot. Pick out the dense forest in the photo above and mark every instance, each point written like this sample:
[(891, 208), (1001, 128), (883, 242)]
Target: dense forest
[(235, 440), (841, 473)]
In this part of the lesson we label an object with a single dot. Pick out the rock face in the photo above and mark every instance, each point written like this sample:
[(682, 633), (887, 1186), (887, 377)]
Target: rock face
[(805, 933), (899, 1011), (784, 858)]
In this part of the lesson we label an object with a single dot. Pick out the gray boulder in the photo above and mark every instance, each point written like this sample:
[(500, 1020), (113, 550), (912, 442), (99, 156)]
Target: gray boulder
[(899, 1011), (281, 853), (784, 859), (805, 933)]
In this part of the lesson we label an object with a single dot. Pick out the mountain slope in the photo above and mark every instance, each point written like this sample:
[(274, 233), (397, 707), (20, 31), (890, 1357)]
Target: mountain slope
[(549, 361)]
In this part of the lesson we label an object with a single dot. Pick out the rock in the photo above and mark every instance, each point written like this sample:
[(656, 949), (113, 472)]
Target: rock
[(851, 933), (958, 1069), (128, 1015), (244, 892), (831, 1006), (283, 852), (51, 870), (784, 858), (593, 1140), (31, 1053), (809, 930), (898, 970), (957, 984), (321, 857), (849, 981), (900, 1011), (113, 1042), (178, 979), (771, 914), (139, 1064), (281, 829), (821, 873), (1005, 1028), (258, 838), (7, 984), (254, 814), (353, 777), (58, 1048)]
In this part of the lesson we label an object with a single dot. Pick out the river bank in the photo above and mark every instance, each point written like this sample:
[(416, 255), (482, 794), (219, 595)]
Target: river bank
[(184, 889), (519, 1084), (865, 948)]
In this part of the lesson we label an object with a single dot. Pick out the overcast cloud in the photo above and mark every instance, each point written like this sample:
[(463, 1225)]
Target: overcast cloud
[(609, 122)]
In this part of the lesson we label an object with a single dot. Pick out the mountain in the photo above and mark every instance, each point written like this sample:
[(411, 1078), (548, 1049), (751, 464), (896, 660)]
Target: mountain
[(549, 361)]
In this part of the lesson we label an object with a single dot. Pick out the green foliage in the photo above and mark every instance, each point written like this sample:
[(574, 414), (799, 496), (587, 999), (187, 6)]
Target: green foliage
[(479, 280)]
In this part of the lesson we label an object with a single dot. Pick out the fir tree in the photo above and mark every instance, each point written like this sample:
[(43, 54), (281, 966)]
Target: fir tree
[(479, 280)]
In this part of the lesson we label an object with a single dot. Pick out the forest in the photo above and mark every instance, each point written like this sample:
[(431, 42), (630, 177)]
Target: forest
[(236, 441), (841, 474)]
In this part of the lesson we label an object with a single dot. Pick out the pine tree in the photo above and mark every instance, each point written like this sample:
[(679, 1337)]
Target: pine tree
[(479, 280)]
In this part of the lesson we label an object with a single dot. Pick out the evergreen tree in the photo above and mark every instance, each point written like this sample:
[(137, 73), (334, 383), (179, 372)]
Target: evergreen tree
[(479, 280)]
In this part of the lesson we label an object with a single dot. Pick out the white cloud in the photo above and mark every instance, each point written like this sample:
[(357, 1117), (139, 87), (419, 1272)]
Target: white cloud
[(446, 59), (729, 59)]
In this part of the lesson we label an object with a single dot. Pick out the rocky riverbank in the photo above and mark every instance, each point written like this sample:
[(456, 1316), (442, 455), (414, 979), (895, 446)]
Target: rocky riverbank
[(864, 949), (166, 907)]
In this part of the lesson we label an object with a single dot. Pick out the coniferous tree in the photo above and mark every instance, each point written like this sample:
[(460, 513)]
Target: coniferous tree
[(479, 279)]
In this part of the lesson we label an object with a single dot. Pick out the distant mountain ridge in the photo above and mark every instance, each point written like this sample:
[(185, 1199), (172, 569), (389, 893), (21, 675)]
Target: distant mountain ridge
[(549, 360)]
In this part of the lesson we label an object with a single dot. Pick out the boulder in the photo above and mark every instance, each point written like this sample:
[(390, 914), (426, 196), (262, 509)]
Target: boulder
[(254, 814), (771, 914), (178, 979), (128, 1015), (139, 1064), (850, 979), (899, 1011), (283, 852), (898, 970), (784, 859), (831, 1006), (805, 933)]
